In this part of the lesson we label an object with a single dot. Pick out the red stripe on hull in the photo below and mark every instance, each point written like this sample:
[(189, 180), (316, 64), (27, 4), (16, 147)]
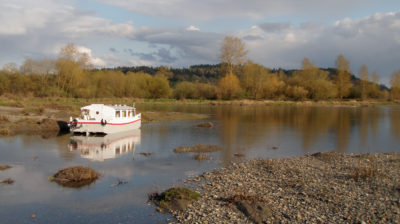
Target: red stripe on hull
[(110, 123)]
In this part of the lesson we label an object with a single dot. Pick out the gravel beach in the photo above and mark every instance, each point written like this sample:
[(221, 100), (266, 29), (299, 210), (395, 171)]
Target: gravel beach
[(325, 187)]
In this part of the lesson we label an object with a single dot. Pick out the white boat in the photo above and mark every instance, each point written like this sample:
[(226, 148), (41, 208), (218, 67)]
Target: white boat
[(100, 148), (106, 119)]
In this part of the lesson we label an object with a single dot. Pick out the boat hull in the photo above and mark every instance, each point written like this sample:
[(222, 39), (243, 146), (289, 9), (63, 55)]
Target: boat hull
[(85, 126)]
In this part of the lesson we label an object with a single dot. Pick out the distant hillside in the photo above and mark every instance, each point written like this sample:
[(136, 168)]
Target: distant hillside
[(207, 73), (195, 73)]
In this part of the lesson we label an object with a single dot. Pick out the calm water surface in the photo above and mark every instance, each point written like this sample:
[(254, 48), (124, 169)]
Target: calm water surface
[(256, 132)]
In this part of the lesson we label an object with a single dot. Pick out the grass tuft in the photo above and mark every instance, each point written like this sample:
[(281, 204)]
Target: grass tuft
[(76, 176), (176, 198), (197, 148)]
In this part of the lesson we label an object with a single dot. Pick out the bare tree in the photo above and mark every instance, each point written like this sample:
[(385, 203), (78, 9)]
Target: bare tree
[(233, 52), (70, 66)]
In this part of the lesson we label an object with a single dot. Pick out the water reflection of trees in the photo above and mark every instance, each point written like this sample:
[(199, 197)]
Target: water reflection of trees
[(395, 122), (250, 125)]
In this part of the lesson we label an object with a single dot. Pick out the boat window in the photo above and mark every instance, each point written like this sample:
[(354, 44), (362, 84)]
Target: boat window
[(124, 113), (97, 112), (129, 113), (117, 113), (85, 114)]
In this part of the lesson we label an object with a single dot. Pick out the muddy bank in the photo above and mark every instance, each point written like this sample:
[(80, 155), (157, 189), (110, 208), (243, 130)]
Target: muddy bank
[(45, 127), (320, 188)]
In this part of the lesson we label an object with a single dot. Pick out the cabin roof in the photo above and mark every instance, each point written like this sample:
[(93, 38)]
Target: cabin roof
[(115, 107), (120, 107)]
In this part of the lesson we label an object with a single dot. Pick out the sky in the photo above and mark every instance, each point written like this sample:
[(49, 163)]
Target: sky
[(181, 33)]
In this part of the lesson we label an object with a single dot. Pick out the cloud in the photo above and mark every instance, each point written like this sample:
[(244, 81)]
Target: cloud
[(274, 27), (95, 61), (40, 28), (19, 16), (211, 9), (193, 28), (373, 40), (113, 50), (161, 56), (179, 46), (166, 56)]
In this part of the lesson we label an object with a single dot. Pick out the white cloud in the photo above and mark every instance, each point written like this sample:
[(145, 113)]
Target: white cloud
[(18, 16), (192, 28), (95, 61), (40, 28)]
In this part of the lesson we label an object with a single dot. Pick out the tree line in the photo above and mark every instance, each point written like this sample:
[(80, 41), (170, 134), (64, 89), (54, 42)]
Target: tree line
[(71, 75)]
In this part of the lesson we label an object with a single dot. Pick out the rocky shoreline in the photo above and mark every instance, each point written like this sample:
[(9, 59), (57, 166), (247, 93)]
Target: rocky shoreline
[(325, 187)]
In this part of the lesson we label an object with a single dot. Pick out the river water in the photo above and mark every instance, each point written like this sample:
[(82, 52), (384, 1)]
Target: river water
[(248, 131)]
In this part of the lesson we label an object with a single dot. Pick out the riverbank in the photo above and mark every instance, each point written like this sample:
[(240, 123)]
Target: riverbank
[(26, 115), (320, 188), (71, 104)]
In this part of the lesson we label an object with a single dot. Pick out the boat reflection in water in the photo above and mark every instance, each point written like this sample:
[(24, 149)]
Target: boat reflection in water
[(100, 148)]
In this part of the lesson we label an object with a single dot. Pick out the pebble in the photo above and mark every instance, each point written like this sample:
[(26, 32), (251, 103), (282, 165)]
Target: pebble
[(325, 188)]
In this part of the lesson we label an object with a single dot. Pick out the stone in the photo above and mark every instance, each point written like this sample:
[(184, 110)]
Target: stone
[(257, 212)]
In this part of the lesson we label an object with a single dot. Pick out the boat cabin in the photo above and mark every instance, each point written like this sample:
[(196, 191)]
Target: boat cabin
[(107, 112)]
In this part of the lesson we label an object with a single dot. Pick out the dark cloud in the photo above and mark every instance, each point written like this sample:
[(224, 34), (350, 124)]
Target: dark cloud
[(166, 56), (274, 27), (252, 37), (146, 56), (113, 50), (188, 47), (162, 55)]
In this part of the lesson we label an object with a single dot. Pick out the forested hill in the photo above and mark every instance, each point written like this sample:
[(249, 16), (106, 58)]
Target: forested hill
[(195, 73), (210, 73), (199, 73)]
